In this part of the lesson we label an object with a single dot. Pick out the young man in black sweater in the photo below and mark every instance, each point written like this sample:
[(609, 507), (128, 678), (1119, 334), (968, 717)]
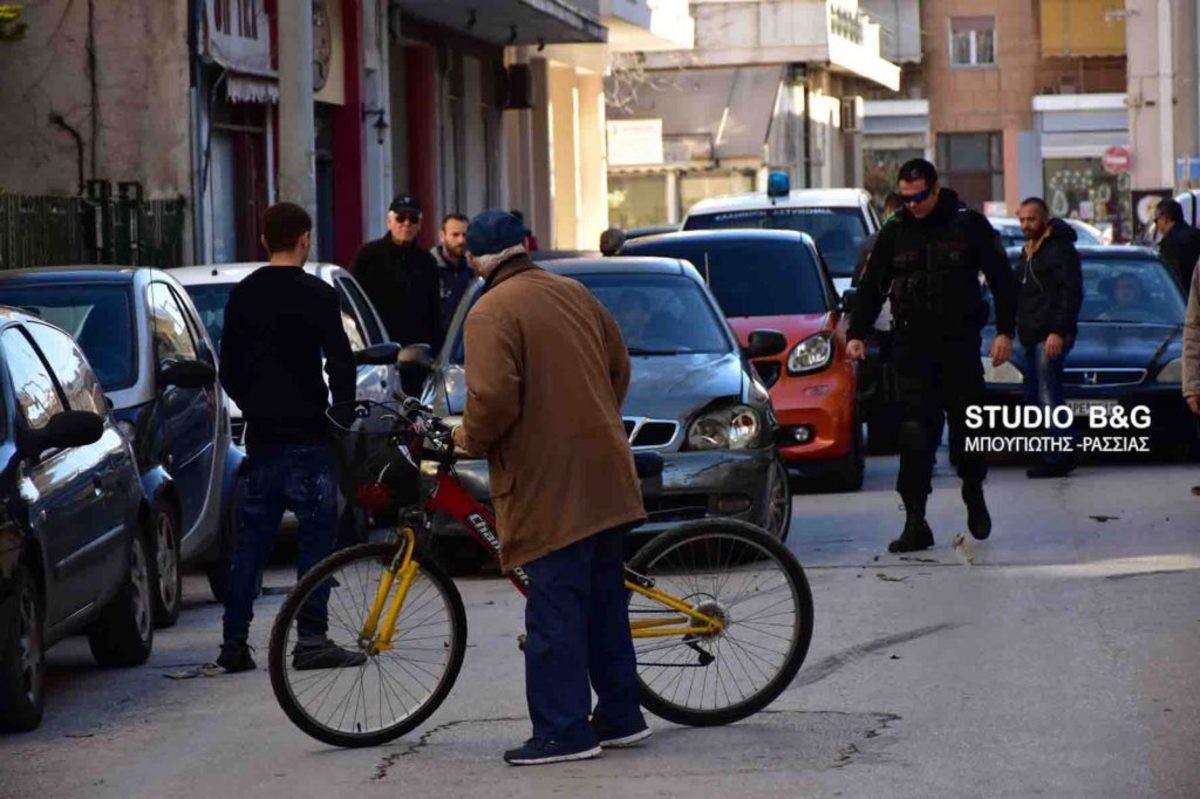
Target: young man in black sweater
[(278, 323)]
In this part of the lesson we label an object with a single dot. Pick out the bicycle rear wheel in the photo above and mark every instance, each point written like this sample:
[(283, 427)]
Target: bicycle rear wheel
[(747, 579), (388, 693)]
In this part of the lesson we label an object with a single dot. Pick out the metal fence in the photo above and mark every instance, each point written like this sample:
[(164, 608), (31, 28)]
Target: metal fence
[(102, 227)]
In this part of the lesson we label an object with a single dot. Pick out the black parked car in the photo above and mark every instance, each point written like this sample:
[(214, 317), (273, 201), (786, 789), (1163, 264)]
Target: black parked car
[(1128, 351), (155, 361), (74, 553)]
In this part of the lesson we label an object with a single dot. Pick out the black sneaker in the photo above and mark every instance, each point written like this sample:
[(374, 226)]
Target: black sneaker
[(539, 752), (325, 655), (916, 537), (235, 657), (620, 737), (979, 521)]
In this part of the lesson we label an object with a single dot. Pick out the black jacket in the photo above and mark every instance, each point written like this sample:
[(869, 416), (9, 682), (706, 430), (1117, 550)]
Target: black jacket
[(929, 268), (1180, 249), (402, 283), (279, 321), (1050, 287)]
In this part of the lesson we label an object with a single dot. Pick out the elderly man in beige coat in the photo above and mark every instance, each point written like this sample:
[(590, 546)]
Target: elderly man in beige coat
[(547, 372)]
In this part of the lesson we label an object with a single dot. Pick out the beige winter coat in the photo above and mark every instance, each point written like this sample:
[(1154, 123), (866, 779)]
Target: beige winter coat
[(547, 371)]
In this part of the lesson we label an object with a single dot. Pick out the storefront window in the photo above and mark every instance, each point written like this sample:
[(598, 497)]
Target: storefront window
[(1080, 188), (637, 200)]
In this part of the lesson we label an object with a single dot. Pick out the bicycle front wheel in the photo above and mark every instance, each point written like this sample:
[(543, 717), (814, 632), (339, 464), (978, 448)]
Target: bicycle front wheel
[(745, 578), (339, 687)]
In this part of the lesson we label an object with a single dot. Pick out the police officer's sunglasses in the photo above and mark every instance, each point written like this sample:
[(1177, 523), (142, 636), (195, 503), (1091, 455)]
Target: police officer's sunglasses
[(411, 218), (916, 199)]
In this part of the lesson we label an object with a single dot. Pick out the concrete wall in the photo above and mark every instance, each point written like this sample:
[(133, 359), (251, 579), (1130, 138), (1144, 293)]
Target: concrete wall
[(141, 119)]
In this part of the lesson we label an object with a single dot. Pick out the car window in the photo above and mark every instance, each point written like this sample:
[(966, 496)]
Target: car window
[(660, 314), (1122, 290), (172, 338), (750, 277), (350, 323), (74, 375), (366, 311), (99, 317), (838, 232), (210, 301), (35, 391)]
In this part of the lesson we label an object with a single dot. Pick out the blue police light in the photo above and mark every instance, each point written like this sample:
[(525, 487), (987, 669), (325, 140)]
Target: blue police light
[(778, 184)]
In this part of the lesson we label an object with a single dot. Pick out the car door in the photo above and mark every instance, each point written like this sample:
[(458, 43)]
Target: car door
[(108, 460), (374, 382), (57, 486), (189, 415)]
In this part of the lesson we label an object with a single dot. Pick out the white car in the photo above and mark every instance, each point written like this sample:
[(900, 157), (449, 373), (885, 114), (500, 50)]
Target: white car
[(209, 287), (839, 220), (1009, 228)]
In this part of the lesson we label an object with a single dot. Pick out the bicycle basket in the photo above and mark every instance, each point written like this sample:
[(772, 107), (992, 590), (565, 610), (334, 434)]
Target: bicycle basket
[(378, 455)]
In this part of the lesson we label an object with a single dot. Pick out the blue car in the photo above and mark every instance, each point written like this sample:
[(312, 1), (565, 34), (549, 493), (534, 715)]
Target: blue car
[(1128, 351), (74, 546), (141, 333)]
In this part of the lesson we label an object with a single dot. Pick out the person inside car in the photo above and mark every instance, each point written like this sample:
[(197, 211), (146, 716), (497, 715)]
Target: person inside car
[(1130, 302), (634, 314)]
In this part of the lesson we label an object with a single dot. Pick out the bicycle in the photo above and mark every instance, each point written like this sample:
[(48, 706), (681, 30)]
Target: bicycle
[(699, 593)]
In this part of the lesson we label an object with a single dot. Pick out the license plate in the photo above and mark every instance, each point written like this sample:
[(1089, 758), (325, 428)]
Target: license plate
[(1080, 407)]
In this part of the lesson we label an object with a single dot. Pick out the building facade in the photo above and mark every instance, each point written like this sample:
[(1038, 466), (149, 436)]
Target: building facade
[(770, 85)]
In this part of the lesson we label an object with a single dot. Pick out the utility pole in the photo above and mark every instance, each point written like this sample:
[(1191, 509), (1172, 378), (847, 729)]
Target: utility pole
[(297, 131)]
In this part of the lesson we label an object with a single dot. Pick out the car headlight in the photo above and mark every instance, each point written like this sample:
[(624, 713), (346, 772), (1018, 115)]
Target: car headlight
[(1004, 374), (728, 428), (814, 353), (1171, 373)]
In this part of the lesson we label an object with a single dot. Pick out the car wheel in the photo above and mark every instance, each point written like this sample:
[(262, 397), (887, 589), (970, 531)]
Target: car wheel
[(779, 501), (850, 470), (123, 635), (22, 657), (166, 578)]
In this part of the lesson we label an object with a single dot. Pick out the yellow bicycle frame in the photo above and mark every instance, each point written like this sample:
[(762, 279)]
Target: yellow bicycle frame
[(379, 628)]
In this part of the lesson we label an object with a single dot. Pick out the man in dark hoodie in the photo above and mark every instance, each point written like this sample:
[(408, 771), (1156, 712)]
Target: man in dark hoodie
[(1051, 293), (927, 261)]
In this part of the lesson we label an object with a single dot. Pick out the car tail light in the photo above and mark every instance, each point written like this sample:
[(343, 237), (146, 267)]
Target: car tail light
[(374, 497)]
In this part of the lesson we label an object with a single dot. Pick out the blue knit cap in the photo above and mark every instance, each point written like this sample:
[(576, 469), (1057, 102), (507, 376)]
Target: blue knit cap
[(491, 232)]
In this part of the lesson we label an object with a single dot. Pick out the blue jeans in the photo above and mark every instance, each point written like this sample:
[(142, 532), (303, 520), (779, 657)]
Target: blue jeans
[(576, 628), (296, 478), (1043, 384)]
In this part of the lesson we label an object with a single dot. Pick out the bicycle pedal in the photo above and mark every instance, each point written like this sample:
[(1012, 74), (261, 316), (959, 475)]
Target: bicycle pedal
[(521, 642)]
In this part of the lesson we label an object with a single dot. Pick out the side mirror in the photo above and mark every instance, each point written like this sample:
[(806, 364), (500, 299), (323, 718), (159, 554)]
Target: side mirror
[(187, 374), (65, 430), (383, 354), (848, 299), (416, 359), (765, 343)]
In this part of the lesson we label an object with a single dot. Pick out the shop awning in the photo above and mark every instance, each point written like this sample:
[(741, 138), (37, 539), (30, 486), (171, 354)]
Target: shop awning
[(731, 107), (516, 22)]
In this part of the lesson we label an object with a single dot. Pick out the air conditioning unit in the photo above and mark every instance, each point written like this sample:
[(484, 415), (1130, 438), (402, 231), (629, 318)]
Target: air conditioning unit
[(851, 114)]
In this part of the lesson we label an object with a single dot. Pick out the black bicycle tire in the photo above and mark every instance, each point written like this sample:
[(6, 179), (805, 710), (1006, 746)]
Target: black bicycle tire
[(277, 654), (791, 665)]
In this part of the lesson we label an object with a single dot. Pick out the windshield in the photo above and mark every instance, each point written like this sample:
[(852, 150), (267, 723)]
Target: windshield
[(210, 300), (750, 277), (838, 232), (98, 317), (1132, 290), (658, 315)]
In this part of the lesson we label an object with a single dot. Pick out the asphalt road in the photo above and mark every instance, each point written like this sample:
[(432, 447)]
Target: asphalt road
[(1062, 662)]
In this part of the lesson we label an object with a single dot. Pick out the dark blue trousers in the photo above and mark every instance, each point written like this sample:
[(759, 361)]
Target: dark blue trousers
[(577, 628)]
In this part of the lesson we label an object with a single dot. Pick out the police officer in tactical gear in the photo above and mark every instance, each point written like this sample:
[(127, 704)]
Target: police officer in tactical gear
[(928, 263)]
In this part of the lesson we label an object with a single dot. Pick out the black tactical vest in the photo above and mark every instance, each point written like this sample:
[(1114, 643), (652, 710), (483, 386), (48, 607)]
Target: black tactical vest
[(935, 280)]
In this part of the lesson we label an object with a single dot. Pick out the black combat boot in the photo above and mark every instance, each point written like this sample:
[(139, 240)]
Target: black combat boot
[(917, 535), (979, 521)]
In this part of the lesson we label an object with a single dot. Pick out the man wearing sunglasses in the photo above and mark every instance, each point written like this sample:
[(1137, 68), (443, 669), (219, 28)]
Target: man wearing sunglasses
[(401, 279), (927, 262)]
